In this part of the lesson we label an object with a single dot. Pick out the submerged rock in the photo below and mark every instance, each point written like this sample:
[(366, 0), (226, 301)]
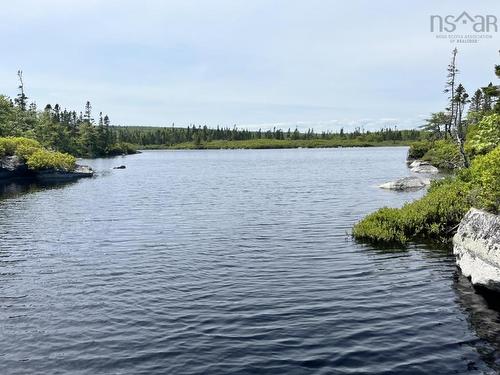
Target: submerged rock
[(406, 183), (476, 246)]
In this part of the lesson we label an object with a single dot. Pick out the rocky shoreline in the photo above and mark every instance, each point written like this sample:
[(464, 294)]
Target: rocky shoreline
[(413, 182), (476, 246), (14, 168)]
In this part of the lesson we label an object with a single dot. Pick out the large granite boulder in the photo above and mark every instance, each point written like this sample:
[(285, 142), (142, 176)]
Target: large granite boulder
[(406, 183), (476, 246)]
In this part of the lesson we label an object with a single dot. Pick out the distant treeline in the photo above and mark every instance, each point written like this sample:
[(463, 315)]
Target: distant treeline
[(81, 134), (201, 136)]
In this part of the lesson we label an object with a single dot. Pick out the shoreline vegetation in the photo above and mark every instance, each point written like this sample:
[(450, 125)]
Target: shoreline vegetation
[(205, 138), (468, 145), (25, 159), (36, 157), (262, 144)]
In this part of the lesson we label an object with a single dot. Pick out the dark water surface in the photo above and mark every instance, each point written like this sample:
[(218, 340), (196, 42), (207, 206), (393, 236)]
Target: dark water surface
[(229, 262)]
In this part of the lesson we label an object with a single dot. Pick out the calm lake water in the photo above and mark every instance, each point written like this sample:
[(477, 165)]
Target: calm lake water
[(229, 262)]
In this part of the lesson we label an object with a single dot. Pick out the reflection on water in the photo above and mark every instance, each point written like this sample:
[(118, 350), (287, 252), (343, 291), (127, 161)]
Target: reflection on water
[(483, 309), (9, 189)]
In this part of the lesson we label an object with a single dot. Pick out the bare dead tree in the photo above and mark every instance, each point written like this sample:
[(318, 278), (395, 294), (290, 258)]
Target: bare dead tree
[(460, 126), (21, 99), (450, 89)]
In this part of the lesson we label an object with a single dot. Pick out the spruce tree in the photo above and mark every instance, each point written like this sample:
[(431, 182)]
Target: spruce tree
[(88, 113), (21, 100), (450, 89), (460, 126)]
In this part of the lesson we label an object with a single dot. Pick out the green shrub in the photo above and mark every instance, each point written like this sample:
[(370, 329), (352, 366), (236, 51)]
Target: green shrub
[(484, 136), (19, 146), (25, 147), (25, 151), (122, 148), (438, 213), (435, 215), (44, 159), (485, 175), (35, 156), (444, 154), (7, 146), (384, 225), (418, 149)]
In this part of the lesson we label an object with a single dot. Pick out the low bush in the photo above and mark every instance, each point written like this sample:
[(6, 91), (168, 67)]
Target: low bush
[(435, 215), (444, 154), (19, 146), (7, 147), (484, 136), (438, 213), (419, 149), (44, 159), (35, 156), (485, 176), (384, 225), (122, 148)]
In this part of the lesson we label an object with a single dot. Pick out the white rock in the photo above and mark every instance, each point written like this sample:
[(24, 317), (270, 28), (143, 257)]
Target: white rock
[(476, 246), (406, 183), (418, 163), (426, 168)]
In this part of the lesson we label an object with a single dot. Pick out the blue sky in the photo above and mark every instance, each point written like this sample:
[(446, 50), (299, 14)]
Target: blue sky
[(321, 64)]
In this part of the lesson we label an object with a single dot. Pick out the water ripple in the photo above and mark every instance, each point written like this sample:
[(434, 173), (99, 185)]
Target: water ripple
[(229, 262)]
